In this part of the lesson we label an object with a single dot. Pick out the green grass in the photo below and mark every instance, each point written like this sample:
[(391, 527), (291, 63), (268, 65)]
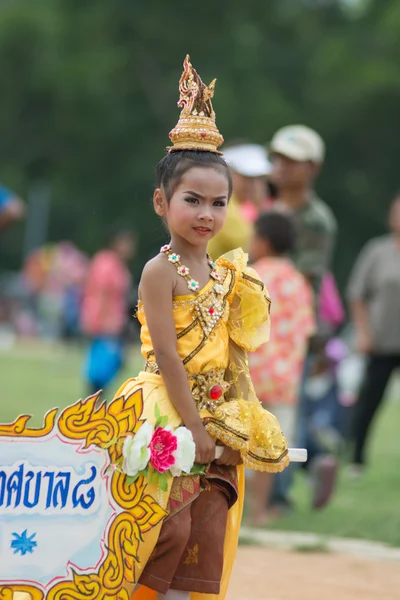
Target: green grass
[(368, 507), (316, 548), (35, 378)]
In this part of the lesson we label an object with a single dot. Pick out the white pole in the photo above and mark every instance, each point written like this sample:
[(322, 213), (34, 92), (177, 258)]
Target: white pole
[(298, 455)]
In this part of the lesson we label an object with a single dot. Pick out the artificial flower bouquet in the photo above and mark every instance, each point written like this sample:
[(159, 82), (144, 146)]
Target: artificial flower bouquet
[(158, 452)]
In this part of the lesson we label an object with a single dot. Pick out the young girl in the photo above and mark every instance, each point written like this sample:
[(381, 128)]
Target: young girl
[(199, 319)]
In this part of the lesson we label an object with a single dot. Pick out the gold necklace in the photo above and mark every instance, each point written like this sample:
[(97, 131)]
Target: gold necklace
[(184, 271)]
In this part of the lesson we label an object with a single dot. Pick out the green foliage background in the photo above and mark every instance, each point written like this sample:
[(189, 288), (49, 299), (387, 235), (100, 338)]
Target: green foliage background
[(88, 94)]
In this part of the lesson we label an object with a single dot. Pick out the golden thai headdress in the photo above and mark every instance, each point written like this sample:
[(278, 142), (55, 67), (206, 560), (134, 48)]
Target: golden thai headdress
[(196, 129)]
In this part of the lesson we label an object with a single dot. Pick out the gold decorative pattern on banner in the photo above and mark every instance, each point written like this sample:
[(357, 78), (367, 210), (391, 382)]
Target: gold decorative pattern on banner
[(100, 426), (21, 592), (19, 428)]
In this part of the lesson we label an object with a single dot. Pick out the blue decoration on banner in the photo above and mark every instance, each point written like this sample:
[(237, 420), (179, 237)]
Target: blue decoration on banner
[(23, 543)]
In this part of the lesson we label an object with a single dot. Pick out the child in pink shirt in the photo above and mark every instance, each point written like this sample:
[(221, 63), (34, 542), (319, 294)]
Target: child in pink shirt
[(277, 366)]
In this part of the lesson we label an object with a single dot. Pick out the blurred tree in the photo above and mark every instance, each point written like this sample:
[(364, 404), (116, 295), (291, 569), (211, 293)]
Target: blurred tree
[(89, 93)]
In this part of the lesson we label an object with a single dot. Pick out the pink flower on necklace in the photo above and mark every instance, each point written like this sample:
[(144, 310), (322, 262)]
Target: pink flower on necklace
[(183, 271), (162, 447), (165, 248)]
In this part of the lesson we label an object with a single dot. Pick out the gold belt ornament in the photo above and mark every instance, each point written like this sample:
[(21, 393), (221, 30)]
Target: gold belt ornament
[(208, 389)]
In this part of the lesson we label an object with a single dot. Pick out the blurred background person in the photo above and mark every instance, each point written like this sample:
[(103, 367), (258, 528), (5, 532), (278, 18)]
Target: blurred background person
[(276, 368), (75, 266), (54, 277), (105, 305), (250, 166), (374, 296), (297, 154), (12, 208)]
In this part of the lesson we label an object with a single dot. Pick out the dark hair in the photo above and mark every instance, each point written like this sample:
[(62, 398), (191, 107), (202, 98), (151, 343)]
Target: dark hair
[(117, 231), (278, 229), (174, 165)]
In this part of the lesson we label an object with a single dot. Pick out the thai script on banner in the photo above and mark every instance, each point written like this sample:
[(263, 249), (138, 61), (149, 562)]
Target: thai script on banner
[(25, 489)]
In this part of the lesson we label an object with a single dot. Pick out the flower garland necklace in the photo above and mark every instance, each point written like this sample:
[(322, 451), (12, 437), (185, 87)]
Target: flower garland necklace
[(184, 271)]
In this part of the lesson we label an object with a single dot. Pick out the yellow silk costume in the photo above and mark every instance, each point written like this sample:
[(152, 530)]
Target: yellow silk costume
[(215, 329)]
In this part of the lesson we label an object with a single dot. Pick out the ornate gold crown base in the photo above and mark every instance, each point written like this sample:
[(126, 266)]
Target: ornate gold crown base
[(201, 146), (195, 132)]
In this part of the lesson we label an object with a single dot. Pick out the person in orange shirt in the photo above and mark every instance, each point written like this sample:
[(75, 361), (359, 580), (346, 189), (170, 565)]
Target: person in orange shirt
[(105, 307), (276, 367)]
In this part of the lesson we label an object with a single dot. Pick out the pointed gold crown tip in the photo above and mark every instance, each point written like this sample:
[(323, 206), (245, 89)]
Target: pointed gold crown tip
[(196, 128)]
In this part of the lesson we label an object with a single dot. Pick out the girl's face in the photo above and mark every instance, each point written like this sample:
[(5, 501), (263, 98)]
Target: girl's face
[(197, 209)]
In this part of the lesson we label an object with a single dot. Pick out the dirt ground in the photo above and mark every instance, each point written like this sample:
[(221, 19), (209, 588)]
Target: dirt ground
[(263, 574)]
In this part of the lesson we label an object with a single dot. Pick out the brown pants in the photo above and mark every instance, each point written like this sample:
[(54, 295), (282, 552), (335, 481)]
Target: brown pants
[(189, 554)]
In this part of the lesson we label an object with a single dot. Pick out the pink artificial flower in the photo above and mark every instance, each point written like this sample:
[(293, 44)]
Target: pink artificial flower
[(162, 447)]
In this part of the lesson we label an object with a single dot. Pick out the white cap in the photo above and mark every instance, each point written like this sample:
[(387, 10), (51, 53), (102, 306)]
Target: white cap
[(298, 143), (249, 160)]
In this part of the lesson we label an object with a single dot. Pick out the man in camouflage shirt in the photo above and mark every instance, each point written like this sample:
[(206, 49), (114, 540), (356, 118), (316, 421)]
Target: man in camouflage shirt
[(297, 153)]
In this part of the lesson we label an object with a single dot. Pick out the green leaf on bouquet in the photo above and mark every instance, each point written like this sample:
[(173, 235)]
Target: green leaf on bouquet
[(163, 481), (163, 421), (197, 469)]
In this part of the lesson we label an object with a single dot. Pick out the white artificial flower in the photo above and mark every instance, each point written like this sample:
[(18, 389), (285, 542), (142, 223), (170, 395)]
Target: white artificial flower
[(136, 451), (185, 452)]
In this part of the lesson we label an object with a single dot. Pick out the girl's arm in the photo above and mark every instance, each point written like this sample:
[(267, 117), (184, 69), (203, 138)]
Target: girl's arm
[(156, 290)]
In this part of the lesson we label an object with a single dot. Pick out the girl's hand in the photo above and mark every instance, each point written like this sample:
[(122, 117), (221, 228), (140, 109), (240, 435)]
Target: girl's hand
[(205, 445), (229, 457)]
